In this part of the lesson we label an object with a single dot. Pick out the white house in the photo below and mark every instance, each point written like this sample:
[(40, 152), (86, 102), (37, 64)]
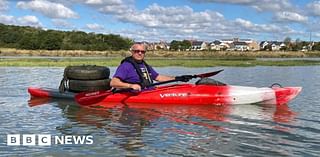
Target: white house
[(199, 45)]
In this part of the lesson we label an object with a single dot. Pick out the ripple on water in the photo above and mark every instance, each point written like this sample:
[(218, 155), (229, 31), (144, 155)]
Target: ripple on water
[(260, 130)]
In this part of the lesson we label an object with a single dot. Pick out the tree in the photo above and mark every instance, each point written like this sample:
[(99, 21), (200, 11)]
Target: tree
[(186, 44), (180, 45), (34, 38), (174, 45), (50, 40), (287, 42), (29, 42)]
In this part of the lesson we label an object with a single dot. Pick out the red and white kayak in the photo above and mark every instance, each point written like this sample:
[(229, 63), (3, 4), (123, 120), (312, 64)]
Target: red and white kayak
[(187, 94)]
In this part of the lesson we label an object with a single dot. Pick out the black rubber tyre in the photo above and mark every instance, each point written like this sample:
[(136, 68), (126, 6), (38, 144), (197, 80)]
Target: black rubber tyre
[(87, 72), (88, 85)]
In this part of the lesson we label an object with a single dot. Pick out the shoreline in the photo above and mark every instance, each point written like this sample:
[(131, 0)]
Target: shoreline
[(160, 53), (62, 58), (164, 62)]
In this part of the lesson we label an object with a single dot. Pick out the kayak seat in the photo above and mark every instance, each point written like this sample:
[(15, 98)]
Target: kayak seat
[(209, 81)]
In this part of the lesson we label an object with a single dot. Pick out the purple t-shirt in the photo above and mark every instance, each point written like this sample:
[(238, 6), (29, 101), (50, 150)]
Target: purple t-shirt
[(127, 73)]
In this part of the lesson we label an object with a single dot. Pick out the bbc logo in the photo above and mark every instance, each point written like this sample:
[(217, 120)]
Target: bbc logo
[(46, 139), (28, 140)]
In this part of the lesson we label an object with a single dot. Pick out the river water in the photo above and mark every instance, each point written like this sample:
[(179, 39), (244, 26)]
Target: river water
[(231, 130)]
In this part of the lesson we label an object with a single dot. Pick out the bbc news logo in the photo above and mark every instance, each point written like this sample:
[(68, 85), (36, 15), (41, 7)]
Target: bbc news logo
[(47, 140)]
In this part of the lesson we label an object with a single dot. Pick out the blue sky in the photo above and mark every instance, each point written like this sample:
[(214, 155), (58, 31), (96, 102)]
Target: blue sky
[(168, 20)]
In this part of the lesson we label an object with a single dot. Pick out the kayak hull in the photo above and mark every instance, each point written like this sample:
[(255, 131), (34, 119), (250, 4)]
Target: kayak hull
[(188, 94)]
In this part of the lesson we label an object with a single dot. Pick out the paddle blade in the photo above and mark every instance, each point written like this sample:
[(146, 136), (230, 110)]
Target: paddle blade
[(208, 74), (86, 99)]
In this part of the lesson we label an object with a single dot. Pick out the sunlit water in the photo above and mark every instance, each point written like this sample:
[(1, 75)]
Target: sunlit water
[(242, 130)]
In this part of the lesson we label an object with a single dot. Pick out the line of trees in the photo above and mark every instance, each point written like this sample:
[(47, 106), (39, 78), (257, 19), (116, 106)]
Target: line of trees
[(24, 37), (30, 38), (300, 45), (180, 45)]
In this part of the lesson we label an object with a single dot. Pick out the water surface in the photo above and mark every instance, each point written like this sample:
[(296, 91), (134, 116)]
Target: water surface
[(179, 130)]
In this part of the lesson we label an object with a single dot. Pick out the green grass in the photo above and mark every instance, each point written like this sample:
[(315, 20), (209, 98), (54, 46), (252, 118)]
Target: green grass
[(43, 62)]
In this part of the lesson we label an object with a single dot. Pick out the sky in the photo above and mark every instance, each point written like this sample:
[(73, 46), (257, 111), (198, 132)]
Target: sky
[(167, 20)]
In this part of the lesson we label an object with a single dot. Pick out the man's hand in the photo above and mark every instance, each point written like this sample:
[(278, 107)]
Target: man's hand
[(135, 87), (184, 78)]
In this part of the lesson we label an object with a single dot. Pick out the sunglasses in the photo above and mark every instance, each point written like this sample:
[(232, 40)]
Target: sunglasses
[(139, 51)]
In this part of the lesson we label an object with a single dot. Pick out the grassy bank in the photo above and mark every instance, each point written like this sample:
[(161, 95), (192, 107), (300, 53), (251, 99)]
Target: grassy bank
[(63, 62), (161, 54), (62, 58)]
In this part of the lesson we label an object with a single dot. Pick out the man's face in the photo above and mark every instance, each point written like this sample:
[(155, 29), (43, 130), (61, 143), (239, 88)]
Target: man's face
[(138, 52)]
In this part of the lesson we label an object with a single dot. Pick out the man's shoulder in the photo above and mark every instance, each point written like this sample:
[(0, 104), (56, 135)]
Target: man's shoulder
[(126, 65)]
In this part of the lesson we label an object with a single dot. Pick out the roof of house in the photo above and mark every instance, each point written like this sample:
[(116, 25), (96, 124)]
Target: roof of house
[(196, 43), (217, 42), (241, 43)]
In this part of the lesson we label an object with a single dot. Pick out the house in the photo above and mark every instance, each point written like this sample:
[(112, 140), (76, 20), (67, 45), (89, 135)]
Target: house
[(156, 46), (241, 46), (199, 45), (161, 46), (253, 46), (264, 45), (276, 46), (272, 45), (218, 45)]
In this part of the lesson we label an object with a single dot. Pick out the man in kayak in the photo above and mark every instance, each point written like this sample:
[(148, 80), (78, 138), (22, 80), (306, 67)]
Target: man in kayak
[(136, 74)]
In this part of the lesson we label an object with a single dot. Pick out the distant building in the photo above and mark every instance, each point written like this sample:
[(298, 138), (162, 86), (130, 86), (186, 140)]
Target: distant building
[(272, 45), (241, 46), (156, 45), (254, 46), (161, 46), (199, 45), (237, 44), (218, 46)]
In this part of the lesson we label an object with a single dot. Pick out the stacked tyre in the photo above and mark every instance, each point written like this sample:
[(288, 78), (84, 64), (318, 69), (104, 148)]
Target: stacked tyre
[(85, 78)]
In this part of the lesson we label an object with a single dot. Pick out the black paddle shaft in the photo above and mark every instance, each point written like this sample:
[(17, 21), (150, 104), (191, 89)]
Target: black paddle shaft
[(192, 76)]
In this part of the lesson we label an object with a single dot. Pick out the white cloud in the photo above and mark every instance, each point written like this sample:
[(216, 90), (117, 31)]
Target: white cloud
[(272, 31), (59, 23), (227, 1), (260, 5), (248, 26), (182, 19), (150, 34), (156, 22), (272, 5), (314, 8), (29, 21), (95, 27), (24, 20), (283, 10), (290, 17), (183, 22), (49, 9), (3, 5), (317, 35), (6, 19), (116, 7), (105, 2)]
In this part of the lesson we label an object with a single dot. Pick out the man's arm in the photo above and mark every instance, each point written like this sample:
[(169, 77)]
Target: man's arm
[(162, 78), (117, 83)]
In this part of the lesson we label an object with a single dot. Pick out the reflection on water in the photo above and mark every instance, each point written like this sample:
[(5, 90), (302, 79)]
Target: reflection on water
[(162, 130), (132, 127)]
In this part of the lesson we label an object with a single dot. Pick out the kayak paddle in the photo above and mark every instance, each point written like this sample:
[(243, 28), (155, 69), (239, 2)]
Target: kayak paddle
[(86, 99), (188, 77)]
